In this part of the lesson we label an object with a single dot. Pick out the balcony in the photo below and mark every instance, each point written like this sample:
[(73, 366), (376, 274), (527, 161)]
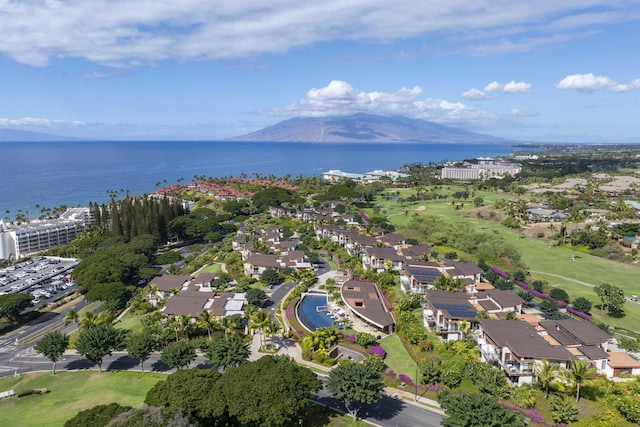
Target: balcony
[(518, 370), (491, 356)]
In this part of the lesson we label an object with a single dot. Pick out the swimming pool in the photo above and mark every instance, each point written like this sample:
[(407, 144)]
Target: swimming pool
[(312, 312)]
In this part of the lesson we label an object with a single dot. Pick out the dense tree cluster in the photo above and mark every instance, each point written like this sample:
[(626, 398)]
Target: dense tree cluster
[(210, 398), (134, 216)]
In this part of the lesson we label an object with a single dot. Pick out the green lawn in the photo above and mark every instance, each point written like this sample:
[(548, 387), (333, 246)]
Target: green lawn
[(70, 392), (398, 358), (211, 268), (130, 321)]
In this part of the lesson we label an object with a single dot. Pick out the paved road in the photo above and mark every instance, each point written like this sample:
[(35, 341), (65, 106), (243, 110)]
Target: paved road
[(20, 342)]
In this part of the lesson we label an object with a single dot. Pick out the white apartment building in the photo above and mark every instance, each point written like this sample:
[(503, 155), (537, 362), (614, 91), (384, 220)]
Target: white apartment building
[(39, 235)]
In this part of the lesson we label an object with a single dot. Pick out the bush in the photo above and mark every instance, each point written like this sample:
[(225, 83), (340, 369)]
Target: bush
[(378, 351), (32, 391), (98, 416), (559, 294), (364, 339)]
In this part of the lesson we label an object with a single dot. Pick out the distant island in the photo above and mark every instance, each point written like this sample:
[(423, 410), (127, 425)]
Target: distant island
[(15, 135), (358, 127), (362, 127)]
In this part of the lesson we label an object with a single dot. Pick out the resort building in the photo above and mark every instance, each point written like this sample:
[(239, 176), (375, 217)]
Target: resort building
[(336, 175), (485, 168), (364, 300), (17, 240)]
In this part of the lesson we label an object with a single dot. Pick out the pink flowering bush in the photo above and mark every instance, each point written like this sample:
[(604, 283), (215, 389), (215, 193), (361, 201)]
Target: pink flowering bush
[(405, 378), (378, 351), (500, 272)]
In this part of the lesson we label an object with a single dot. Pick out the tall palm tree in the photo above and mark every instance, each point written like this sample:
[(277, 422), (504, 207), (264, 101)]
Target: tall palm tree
[(208, 320), (185, 325), (546, 374), (72, 316), (258, 321), (464, 327), (88, 320), (229, 324), (579, 373)]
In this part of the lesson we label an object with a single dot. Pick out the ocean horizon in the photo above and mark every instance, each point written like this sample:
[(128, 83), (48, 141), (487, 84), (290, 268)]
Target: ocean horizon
[(74, 173)]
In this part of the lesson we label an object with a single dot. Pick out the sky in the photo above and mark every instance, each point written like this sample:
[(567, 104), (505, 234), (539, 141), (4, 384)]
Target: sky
[(544, 70)]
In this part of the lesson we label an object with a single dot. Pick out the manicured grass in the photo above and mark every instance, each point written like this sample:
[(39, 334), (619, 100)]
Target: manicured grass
[(211, 268), (398, 358), (130, 321), (70, 392)]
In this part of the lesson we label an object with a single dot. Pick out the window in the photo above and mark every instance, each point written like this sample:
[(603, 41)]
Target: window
[(359, 304)]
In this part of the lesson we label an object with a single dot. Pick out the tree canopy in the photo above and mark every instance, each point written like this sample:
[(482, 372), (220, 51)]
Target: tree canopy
[(236, 397), (52, 346), (224, 353), (477, 410), (612, 298), (99, 341), (270, 391), (178, 354), (11, 305), (355, 384)]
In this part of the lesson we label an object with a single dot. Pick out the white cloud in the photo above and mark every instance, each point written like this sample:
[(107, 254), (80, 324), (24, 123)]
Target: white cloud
[(339, 98), (30, 122), (590, 83), (476, 94), (120, 33), (492, 90), (493, 86), (517, 87)]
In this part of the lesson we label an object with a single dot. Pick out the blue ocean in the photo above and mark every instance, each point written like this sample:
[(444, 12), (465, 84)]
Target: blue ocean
[(51, 174)]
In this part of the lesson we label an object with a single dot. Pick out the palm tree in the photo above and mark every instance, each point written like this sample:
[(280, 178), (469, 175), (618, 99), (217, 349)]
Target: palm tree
[(579, 373), (72, 316), (208, 320), (258, 321), (88, 320), (229, 324), (464, 327), (185, 325), (546, 374), (511, 315)]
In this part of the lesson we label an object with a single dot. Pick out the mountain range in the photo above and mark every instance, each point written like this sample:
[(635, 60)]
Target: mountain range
[(362, 127), (15, 135), (358, 127)]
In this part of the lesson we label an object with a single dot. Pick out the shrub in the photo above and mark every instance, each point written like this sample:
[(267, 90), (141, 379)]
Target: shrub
[(559, 294), (500, 272), (378, 351), (405, 378), (390, 373), (365, 339)]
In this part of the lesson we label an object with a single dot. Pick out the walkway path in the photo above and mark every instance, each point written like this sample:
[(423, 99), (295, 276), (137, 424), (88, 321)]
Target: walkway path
[(569, 279)]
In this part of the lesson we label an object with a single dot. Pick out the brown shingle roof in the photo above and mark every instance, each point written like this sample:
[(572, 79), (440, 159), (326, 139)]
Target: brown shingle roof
[(362, 297), (504, 298), (190, 303), (523, 340), (169, 282), (584, 332)]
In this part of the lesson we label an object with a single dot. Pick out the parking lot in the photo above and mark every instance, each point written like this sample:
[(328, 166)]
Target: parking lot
[(42, 277)]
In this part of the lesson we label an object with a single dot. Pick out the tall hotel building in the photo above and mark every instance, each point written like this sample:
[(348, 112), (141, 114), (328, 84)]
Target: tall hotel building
[(39, 235)]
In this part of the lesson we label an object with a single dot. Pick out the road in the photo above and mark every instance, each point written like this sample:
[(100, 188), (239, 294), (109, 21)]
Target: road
[(18, 343)]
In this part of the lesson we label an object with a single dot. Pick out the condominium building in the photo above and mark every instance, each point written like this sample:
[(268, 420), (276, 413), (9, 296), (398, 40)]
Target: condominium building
[(17, 240)]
